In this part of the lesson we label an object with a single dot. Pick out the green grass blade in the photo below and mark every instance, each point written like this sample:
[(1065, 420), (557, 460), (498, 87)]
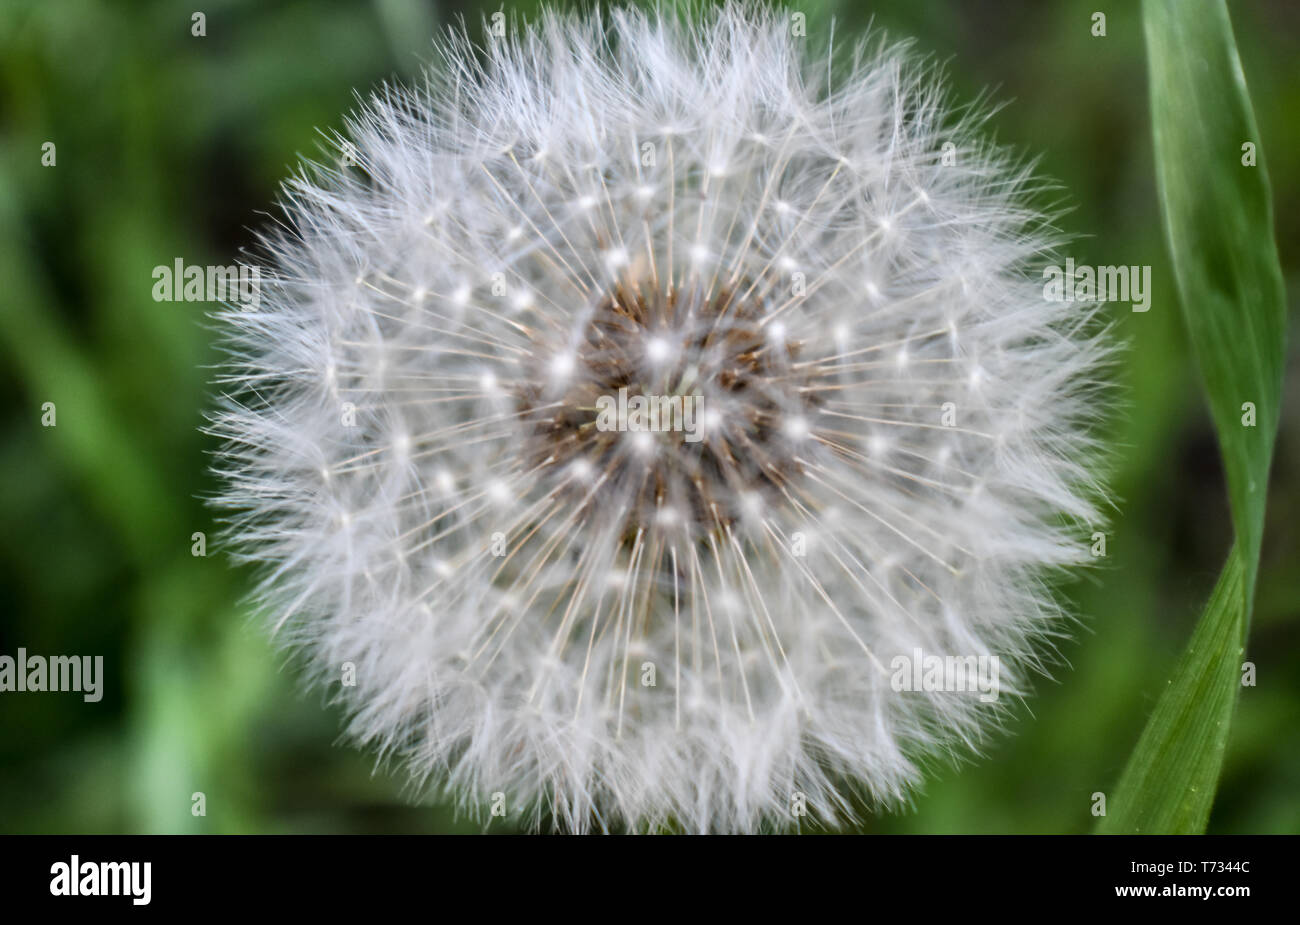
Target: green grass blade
[(1219, 222), (1168, 785)]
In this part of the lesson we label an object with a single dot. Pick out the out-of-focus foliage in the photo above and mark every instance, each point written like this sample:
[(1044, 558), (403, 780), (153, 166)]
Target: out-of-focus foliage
[(170, 145)]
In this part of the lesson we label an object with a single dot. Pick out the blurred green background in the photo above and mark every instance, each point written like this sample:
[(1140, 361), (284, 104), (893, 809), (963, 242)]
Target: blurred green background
[(170, 145)]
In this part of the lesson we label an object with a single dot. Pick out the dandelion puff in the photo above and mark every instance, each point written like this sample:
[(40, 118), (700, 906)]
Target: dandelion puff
[(691, 617)]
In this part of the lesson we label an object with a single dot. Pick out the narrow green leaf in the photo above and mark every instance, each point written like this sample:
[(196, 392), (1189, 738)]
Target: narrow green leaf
[(1218, 218), (1168, 785)]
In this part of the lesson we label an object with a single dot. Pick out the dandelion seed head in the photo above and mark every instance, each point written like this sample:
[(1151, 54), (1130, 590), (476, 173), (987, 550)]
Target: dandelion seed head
[(621, 202)]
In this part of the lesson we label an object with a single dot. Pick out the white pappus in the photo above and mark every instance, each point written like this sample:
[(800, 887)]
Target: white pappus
[(891, 447)]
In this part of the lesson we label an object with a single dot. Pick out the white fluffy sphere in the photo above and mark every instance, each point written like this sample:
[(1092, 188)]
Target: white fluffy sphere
[(641, 405)]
